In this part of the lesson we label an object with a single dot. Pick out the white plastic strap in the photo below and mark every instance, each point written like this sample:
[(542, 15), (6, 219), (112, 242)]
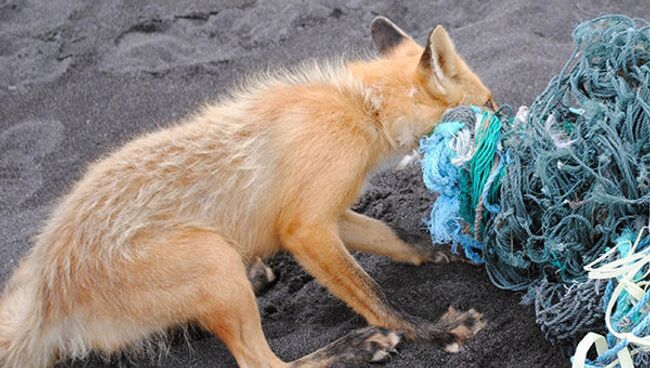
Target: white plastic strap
[(626, 270), (591, 339)]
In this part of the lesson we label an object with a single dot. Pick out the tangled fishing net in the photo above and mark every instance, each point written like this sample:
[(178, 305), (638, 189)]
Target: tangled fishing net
[(539, 195)]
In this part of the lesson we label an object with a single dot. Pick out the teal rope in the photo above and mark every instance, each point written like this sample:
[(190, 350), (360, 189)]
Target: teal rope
[(578, 172), (464, 189), (567, 182)]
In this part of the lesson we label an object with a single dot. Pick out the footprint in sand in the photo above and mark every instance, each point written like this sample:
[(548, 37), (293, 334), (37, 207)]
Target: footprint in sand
[(23, 147), (209, 37)]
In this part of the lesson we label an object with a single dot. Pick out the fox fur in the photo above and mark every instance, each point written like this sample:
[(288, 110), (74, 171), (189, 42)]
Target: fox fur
[(157, 233)]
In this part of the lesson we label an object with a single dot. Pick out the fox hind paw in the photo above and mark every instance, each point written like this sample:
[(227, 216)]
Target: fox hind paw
[(369, 344), (261, 277)]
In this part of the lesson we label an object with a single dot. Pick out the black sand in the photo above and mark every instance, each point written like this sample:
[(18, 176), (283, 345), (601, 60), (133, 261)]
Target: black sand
[(79, 78)]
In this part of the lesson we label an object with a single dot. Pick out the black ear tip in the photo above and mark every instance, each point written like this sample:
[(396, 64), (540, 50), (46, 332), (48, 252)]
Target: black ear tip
[(429, 37), (380, 23), (385, 34)]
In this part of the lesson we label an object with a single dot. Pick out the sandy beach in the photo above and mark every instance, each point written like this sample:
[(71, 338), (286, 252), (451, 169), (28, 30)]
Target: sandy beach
[(80, 78)]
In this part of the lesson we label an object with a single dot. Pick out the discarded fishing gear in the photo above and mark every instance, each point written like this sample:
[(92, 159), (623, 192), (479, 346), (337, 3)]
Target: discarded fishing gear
[(538, 196)]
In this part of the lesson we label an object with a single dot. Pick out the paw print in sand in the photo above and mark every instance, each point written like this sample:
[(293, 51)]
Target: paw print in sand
[(23, 148)]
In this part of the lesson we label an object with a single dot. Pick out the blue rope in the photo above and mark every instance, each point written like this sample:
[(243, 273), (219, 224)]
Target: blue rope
[(446, 222)]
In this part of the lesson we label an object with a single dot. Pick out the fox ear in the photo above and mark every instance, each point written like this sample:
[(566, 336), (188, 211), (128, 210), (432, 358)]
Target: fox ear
[(440, 58), (386, 35)]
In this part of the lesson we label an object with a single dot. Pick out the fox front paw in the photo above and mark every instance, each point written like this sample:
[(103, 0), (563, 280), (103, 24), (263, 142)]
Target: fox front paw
[(461, 326), (449, 332)]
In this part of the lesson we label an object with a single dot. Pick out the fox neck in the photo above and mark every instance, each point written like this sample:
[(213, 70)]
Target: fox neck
[(401, 121)]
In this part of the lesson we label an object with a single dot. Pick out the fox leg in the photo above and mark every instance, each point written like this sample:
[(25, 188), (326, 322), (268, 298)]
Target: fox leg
[(365, 234), (217, 293), (321, 252), (319, 249), (204, 280)]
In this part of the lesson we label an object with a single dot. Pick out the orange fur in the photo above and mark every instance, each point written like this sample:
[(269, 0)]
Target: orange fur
[(157, 234)]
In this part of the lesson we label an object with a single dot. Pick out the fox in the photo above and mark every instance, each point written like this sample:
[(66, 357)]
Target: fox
[(159, 233)]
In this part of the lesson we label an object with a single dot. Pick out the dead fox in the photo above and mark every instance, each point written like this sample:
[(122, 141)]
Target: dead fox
[(159, 233)]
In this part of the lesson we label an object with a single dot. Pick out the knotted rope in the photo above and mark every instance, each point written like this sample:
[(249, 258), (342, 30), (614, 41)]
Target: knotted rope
[(538, 196)]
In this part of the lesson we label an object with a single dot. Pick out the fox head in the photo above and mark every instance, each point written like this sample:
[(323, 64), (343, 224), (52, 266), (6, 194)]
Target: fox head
[(415, 84)]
